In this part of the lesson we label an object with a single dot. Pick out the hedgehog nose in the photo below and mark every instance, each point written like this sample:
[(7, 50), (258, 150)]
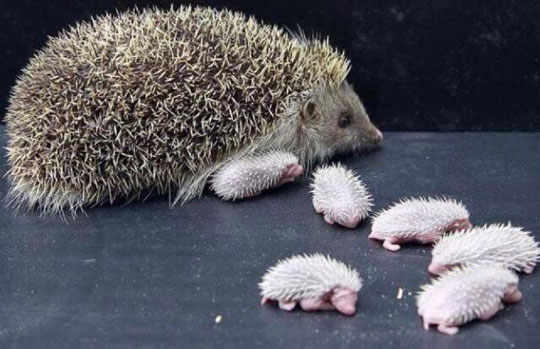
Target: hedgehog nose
[(378, 137), (435, 269), (375, 137)]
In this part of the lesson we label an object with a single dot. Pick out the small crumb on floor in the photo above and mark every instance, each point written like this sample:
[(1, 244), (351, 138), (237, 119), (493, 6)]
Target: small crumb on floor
[(218, 319), (400, 293)]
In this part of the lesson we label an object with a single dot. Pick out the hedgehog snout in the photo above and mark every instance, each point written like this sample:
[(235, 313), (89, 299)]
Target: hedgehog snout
[(436, 268), (344, 300), (460, 224), (378, 138), (350, 221), (512, 295), (367, 138)]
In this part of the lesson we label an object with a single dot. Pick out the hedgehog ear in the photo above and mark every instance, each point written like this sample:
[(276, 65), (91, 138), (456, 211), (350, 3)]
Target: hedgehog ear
[(308, 110)]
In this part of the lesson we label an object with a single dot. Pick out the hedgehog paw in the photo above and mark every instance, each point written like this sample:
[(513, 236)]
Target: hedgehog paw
[(350, 223), (391, 246), (450, 330), (287, 305)]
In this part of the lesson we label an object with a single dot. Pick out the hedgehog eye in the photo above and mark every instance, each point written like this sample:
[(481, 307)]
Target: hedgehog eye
[(344, 120)]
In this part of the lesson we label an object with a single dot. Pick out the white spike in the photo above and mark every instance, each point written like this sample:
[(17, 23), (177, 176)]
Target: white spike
[(499, 244)]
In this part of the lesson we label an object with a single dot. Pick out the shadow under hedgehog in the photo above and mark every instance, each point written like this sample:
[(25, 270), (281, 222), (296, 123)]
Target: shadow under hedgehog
[(154, 101)]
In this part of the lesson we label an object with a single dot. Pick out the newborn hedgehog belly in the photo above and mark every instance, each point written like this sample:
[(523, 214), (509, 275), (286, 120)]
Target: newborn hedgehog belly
[(116, 116)]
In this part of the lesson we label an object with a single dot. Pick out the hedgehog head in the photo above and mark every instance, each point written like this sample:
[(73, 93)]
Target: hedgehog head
[(445, 256), (334, 120), (344, 300)]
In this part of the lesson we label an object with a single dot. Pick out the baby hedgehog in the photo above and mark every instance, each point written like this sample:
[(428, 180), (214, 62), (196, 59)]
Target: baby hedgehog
[(155, 101), (420, 220), (340, 196), (246, 177), (496, 244), (315, 281), (462, 295)]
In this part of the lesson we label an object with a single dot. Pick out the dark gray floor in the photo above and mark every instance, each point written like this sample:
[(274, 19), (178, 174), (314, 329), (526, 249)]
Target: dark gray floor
[(147, 275)]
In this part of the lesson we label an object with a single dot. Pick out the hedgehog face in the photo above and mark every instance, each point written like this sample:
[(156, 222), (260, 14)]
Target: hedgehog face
[(344, 300), (339, 120), (437, 268)]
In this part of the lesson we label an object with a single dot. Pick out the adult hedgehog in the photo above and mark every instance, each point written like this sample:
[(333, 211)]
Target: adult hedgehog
[(159, 101)]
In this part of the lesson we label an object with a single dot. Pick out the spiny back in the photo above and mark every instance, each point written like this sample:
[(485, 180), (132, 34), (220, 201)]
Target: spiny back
[(146, 99), (463, 294), (495, 244), (307, 276)]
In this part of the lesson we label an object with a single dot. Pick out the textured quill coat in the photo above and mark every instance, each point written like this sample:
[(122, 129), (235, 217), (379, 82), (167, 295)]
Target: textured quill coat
[(465, 294), (495, 244), (156, 101)]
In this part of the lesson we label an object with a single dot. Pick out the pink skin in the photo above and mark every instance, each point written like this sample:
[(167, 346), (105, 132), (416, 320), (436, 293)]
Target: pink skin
[(512, 295), (344, 300), (437, 269), (392, 243), (291, 172), (341, 299), (350, 223)]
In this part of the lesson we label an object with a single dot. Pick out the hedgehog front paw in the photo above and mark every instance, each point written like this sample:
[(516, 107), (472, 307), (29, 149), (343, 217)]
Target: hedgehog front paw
[(287, 305), (390, 246)]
